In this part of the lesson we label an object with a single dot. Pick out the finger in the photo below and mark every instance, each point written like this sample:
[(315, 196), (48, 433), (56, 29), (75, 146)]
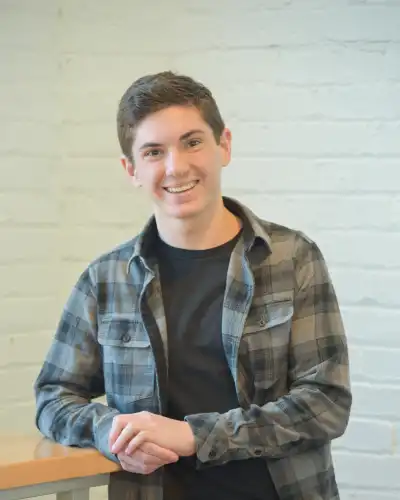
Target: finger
[(132, 467), (144, 459), (123, 439), (165, 455), (116, 428), (123, 461), (138, 465), (128, 462), (136, 442)]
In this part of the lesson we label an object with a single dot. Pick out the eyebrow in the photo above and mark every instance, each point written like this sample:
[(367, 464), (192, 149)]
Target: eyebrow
[(183, 137)]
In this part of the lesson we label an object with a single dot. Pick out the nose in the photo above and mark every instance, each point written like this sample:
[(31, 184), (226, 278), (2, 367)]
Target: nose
[(175, 164)]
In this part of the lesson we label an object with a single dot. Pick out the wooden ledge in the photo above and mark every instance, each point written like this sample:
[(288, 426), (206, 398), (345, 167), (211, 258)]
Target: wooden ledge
[(30, 460)]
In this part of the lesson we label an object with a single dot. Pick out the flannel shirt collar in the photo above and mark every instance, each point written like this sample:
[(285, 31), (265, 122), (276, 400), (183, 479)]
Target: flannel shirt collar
[(253, 234)]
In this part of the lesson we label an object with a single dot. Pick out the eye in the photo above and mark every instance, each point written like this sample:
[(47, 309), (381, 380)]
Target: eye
[(153, 153), (192, 143)]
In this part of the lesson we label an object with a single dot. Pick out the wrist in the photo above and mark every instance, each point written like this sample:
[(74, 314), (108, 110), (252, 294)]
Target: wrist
[(191, 440)]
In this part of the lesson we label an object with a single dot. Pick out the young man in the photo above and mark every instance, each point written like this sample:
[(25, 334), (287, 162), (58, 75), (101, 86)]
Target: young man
[(216, 336)]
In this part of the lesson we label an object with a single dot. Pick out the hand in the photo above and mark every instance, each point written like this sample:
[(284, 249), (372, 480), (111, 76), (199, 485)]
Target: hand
[(130, 432), (147, 459)]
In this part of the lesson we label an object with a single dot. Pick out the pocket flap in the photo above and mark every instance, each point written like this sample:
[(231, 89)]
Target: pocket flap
[(269, 315), (122, 331)]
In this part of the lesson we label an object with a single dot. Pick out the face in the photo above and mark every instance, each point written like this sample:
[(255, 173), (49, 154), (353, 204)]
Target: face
[(177, 160)]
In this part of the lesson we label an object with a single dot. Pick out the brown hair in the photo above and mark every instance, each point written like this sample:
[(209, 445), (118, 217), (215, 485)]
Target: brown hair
[(158, 91)]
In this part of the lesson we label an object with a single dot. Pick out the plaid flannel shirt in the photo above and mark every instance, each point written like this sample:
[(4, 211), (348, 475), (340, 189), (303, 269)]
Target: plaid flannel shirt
[(284, 342)]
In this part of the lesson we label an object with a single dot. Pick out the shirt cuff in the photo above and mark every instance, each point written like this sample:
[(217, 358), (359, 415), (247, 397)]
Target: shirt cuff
[(210, 437), (101, 434)]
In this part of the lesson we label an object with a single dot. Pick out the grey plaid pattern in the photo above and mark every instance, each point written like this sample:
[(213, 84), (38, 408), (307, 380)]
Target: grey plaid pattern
[(284, 341)]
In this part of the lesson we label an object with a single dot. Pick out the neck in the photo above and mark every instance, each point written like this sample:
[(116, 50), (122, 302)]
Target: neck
[(206, 231)]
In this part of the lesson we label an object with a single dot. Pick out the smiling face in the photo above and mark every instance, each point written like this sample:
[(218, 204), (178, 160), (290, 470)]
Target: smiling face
[(177, 160)]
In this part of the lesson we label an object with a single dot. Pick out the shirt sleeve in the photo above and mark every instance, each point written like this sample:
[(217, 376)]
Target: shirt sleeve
[(317, 406), (72, 375)]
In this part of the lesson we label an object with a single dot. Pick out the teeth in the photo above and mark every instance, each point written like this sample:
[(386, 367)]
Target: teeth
[(181, 189)]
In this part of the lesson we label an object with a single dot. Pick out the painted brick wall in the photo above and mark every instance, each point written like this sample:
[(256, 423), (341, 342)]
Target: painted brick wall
[(311, 91)]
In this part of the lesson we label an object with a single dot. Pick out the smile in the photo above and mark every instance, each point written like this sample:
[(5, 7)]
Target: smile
[(181, 189)]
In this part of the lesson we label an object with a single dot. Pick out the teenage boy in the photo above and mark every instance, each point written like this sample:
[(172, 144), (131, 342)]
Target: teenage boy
[(215, 335)]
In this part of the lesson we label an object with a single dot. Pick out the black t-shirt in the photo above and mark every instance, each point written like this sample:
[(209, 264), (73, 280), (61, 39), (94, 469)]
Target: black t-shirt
[(193, 284)]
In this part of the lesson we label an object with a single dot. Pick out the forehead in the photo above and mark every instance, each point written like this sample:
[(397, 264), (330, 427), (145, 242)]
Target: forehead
[(169, 124)]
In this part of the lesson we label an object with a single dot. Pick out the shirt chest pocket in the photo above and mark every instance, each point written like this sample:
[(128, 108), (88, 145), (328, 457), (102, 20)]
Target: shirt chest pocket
[(128, 360), (266, 340)]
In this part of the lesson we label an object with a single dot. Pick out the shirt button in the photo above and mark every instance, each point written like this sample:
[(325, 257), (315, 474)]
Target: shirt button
[(212, 454), (262, 322), (126, 337), (258, 452)]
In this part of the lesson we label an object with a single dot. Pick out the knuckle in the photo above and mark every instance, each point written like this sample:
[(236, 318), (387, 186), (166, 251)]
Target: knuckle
[(127, 426), (146, 447), (130, 467), (117, 419)]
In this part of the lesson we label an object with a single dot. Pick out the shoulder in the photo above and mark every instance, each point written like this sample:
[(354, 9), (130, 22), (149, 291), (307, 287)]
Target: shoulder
[(109, 266), (279, 237), (120, 253), (296, 255), (292, 242)]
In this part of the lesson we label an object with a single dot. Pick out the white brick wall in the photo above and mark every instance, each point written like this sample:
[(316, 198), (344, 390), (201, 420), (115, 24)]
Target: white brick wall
[(311, 91)]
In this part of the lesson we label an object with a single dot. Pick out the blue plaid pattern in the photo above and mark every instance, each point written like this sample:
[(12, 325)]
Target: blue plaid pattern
[(284, 341)]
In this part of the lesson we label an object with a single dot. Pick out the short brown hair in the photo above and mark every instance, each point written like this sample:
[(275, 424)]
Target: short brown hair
[(158, 91)]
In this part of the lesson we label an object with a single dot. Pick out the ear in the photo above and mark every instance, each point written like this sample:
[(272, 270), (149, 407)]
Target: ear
[(130, 170), (226, 146)]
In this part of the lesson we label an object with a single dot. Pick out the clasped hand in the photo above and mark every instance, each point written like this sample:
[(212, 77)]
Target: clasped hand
[(144, 441)]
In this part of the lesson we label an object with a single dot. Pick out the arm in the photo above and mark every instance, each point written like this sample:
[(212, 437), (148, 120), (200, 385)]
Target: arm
[(72, 376), (317, 407)]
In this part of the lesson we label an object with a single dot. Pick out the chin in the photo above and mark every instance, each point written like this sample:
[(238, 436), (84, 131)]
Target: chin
[(184, 211)]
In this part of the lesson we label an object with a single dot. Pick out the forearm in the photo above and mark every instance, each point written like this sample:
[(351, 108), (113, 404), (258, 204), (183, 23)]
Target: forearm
[(307, 417), (73, 420)]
